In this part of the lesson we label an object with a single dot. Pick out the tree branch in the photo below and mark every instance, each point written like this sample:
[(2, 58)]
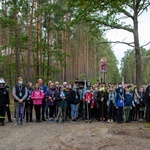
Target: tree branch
[(116, 42), (127, 14), (146, 44), (119, 42), (117, 26)]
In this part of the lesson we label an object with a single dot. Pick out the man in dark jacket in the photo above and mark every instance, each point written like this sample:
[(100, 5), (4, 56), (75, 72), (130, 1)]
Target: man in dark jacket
[(4, 100)]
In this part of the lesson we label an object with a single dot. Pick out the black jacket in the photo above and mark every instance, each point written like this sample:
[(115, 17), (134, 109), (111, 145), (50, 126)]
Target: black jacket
[(74, 97), (4, 97)]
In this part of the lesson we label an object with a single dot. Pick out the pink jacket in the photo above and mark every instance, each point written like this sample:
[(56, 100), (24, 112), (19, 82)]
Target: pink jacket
[(37, 97)]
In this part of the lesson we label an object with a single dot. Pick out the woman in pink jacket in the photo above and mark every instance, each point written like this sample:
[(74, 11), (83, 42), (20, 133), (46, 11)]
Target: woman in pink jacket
[(37, 96)]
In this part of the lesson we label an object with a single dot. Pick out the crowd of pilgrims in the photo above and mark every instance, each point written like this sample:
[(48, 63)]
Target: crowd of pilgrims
[(55, 102)]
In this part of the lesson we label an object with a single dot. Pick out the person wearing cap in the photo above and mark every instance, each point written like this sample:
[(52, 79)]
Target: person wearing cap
[(4, 101), (20, 94)]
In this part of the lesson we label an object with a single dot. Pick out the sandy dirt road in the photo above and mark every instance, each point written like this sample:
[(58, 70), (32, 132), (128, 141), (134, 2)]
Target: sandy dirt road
[(80, 136)]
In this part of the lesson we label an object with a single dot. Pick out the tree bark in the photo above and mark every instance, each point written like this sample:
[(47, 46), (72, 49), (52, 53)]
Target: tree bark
[(137, 47)]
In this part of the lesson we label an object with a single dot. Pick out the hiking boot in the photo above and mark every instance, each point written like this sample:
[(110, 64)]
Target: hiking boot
[(73, 121), (16, 123), (3, 124), (57, 121), (51, 120), (10, 120), (43, 119), (31, 120), (86, 121)]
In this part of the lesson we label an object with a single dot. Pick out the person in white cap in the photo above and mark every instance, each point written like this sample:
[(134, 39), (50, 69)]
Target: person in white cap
[(4, 101)]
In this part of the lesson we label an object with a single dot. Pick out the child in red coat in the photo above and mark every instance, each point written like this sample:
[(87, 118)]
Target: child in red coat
[(88, 101)]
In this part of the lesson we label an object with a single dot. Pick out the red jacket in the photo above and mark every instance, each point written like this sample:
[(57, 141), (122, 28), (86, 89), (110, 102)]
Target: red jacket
[(88, 96)]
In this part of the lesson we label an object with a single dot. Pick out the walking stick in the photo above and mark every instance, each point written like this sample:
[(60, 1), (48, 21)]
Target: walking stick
[(102, 111), (87, 111)]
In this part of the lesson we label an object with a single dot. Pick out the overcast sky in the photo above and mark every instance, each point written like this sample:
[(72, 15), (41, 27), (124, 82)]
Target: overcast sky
[(120, 35)]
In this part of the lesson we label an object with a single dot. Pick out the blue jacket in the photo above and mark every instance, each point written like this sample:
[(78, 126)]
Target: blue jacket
[(43, 88), (119, 101), (128, 99)]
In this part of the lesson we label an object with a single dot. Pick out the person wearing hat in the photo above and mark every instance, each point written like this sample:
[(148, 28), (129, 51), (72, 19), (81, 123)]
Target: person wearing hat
[(4, 101), (20, 94)]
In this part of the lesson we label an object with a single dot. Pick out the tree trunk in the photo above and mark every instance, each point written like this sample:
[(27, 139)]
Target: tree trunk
[(29, 45), (137, 48), (17, 54)]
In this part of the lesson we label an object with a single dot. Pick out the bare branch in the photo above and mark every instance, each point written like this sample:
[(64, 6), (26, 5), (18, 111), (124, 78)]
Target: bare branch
[(146, 44), (119, 42), (116, 42)]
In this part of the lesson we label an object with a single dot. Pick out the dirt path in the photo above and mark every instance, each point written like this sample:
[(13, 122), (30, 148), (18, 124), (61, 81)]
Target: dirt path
[(68, 136)]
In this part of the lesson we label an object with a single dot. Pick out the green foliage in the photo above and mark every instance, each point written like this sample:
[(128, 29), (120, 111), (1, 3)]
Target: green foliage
[(128, 66)]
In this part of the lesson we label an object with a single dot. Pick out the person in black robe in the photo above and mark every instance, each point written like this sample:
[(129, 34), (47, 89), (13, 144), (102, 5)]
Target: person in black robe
[(147, 100), (102, 100)]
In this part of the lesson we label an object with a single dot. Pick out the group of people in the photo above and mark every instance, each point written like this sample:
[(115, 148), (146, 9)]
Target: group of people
[(58, 103)]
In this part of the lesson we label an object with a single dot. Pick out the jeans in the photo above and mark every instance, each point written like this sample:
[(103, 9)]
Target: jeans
[(18, 109), (78, 105), (74, 109), (61, 113)]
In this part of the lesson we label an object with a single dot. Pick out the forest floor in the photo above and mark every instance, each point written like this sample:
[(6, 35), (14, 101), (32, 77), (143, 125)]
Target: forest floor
[(79, 136)]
